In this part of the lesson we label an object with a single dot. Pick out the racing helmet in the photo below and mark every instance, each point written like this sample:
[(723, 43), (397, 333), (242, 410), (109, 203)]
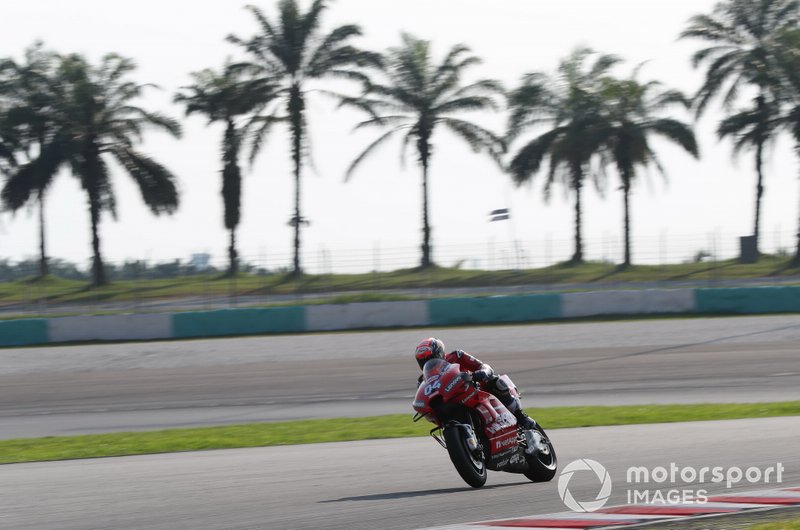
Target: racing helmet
[(429, 349)]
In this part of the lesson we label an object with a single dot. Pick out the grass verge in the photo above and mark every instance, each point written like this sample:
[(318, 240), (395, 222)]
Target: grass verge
[(350, 429), (55, 290)]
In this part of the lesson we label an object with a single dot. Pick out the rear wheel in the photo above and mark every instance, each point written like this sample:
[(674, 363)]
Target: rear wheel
[(468, 462), (543, 463)]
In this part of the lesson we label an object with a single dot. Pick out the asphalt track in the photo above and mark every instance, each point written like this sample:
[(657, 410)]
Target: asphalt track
[(379, 484), (141, 386)]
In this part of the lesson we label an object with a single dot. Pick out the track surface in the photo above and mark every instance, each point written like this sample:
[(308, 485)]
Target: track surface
[(95, 388), (386, 484)]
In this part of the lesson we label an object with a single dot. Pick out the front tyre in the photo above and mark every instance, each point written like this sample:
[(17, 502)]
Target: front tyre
[(543, 463), (469, 463)]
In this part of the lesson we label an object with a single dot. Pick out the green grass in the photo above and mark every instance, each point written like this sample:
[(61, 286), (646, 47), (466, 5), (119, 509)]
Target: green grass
[(317, 300), (349, 429), (58, 290), (794, 524)]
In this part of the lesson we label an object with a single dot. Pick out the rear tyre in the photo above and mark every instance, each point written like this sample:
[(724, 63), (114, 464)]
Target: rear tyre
[(470, 465), (542, 464)]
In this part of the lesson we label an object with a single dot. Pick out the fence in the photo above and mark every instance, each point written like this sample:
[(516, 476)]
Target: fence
[(199, 283)]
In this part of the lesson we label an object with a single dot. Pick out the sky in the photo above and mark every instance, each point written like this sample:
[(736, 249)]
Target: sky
[(376, 215)]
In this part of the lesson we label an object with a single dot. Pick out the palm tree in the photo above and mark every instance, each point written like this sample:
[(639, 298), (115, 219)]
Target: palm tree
[(414, 96), (791, 120), (28, 122), (96, 120), (571, 108), (225, 97), (293, 51), (633, 118), (788, 98), (8, 147), (753, 128), (744, 39)]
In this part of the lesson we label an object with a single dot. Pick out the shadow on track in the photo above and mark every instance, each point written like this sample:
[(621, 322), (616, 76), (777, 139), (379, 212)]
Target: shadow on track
[(419, 493)]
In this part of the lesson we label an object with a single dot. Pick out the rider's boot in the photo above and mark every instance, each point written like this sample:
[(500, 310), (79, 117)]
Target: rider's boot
[(525, 421), (532, 438)]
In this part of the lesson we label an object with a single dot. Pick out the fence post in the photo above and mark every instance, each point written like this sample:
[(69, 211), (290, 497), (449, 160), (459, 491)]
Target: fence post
[(714, 265), (548, 250), (262, 261), (206, 278), (662, 253), (137, 294), (376, 263)]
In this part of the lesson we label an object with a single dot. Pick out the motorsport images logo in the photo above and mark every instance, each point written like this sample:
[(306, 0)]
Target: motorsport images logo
[(672, 484), (584, 464)]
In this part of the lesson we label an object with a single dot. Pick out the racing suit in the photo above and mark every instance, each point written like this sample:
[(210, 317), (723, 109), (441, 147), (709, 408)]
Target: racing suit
[(488, 382)]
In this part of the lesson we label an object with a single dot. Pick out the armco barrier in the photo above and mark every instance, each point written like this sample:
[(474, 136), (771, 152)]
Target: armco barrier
[(749, 300), (111, 327), (23, 332), (649, 301), (367, 315), (239, 322), (494, 309), (438, 312)]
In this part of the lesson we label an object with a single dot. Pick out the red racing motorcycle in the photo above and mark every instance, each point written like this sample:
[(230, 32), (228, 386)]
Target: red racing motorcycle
[(477, 430)]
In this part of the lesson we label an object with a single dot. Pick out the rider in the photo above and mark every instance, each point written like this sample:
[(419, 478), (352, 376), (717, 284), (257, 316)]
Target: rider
[(482, 373)]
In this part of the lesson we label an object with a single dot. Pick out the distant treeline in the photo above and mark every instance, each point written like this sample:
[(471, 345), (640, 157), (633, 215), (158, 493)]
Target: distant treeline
[(128, 270), (578, 127)]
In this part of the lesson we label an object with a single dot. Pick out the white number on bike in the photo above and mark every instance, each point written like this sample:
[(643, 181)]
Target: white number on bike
[(431, 387)]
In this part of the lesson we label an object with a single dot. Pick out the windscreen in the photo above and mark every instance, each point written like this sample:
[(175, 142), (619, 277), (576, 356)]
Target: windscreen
[(434, 367)]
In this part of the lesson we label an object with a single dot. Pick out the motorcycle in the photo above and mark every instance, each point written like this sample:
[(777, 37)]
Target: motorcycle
[(477, 430)]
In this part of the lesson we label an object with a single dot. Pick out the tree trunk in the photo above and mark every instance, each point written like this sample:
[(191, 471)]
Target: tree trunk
[(98, 270), (759, 193), (296, 115), (231, 191), (426, 226), (424, 152), (233, 256), (577, 184), (626, 186), (43, 268), (796, 260)]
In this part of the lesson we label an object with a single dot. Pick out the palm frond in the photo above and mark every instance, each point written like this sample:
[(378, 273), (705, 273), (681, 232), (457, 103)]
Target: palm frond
[(478, 138), (371, 148), (156, 119), (383, 121), (678, 132), (258, 128), (466, 103), (528, 160), (35, 176), (263, 21), (156, 183)]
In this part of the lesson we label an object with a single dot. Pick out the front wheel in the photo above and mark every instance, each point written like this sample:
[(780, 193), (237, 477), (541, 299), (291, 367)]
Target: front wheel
[(468, 462), (543, 463)]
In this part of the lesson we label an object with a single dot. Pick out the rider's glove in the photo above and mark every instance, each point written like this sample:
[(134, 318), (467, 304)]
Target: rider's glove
[(479, 375)]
